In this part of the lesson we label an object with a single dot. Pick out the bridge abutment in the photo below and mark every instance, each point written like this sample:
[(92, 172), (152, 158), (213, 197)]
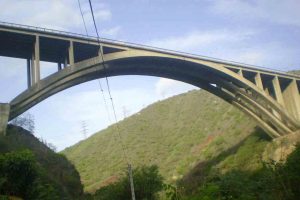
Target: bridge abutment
[(4, 114)]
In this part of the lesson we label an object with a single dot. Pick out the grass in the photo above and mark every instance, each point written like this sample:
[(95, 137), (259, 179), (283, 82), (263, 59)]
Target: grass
[(174, 134)]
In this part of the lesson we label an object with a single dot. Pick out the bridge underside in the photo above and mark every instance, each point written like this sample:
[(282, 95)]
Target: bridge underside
[(266, 111), (272, 99)]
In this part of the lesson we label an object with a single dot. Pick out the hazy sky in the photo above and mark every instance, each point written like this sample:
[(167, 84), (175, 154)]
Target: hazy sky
[(260, 32)]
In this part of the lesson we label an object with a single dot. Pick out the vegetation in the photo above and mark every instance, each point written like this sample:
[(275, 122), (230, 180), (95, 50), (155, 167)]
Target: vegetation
[(147, 183), (22, 176), (25, 121), (274, 181), (31, 170), (203, 147), (297, 72), (206, 150), (174, 134)]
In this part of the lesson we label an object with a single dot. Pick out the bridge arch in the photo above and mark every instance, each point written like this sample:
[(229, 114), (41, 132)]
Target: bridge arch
[(210, 76)]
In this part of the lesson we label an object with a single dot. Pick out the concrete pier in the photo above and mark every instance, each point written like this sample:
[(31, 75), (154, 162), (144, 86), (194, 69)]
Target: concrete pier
[(4, 114)]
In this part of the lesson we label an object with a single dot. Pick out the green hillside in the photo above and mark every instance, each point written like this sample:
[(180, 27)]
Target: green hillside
[(297, 72), (57, 175), (176, 134)]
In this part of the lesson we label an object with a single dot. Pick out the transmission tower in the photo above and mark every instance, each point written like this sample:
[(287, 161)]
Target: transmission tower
[(84, 129)]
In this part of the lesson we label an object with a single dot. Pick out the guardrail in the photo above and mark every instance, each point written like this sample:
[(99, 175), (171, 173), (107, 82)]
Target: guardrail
[(139, 46), (48, 30)]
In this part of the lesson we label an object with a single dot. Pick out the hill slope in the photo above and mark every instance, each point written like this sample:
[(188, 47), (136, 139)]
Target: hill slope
[(175, 134), (59, 171)]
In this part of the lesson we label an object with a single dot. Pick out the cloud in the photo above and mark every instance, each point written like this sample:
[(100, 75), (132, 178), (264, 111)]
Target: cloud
[(167, 87), (13, 79), (89, 105), (277, 11), (201, 39), (10, 66), (252, 56), (270, 55), (111, 32), (54, 14), (103, 15), (234, 45)]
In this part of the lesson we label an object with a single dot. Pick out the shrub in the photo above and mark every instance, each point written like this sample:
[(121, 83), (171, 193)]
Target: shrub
[(147, 183), (274, 181), (18, 170), (21, 176)]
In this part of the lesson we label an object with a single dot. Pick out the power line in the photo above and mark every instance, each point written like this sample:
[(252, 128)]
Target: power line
[(95, 25), (99, 81), (112, 104), (79, 4), (107, 84)]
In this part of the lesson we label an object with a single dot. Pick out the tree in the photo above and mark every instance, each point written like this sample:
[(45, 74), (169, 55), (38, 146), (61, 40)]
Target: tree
[(147, 183), (18, 170), (21, 176), (25, 121)]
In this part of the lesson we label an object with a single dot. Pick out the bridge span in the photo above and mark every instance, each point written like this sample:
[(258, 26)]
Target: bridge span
[(270, 97)]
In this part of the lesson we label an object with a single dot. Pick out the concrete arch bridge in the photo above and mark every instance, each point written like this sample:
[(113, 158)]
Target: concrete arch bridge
[(269, 97)]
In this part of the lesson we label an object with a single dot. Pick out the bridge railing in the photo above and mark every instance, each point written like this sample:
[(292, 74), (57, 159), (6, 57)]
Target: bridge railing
[(47, 30), (138, 46)]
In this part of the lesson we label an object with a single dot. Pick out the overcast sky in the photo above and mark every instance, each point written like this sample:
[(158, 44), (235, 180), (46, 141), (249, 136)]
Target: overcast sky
[(259, 32)]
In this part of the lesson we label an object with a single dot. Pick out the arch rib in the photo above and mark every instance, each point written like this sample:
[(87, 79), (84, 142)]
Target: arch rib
[(179, 68)]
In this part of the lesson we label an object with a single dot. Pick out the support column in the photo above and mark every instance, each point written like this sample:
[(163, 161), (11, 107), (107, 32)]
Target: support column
[(28, 73), (240, 72), (4, 114), (100, 50), (258, 81), (292, 99), (277, 91), (35, 62), (66, 62), (33, 80), (267, 91), (59, 67), (71, 53)]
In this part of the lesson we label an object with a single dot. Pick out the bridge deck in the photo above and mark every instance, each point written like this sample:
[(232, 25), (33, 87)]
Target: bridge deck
[(17, 41)]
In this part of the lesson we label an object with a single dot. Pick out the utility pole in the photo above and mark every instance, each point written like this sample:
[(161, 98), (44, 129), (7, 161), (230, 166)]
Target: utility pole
[(131, 181)]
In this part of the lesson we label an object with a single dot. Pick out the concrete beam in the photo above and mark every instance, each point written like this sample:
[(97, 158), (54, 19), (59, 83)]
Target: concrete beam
[(277, 90), (35, 61), (28, 73), (71, 53), (65, 64), (37, 58), (292, 99), (33, 81), (269, 130), (258, 81), (59, 66), (240, 72), (267, 91), (100, 51), (4, 114)]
